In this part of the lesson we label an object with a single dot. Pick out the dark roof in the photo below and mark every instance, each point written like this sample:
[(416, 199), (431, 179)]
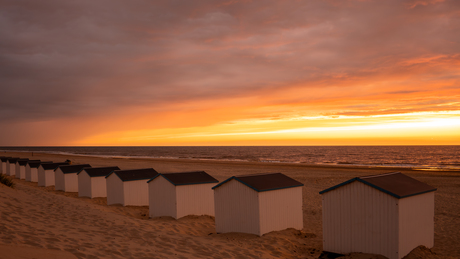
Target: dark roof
[(135, 174), (69, 169), (37, 163), (395, 184), (22, 161), (5, 158), (53, 166), (13, 159), (265, 182), (188, 178), (99, 171)]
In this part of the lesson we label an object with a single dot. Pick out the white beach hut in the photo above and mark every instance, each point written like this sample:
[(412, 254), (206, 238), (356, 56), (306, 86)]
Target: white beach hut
[(181, 194), (32, 170), (388, 214), (92, 182), (258, 204), (21, 168), (11, 166), (4, 161), (129, 187), (66, 178), (46, 173)]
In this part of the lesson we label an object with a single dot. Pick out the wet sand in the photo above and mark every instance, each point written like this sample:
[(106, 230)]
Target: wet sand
[(43, 221)]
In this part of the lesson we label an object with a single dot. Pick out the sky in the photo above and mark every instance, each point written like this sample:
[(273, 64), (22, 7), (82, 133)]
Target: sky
[(166, 73)]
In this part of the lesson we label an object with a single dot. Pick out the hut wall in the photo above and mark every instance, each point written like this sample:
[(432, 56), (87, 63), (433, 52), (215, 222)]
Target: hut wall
[(416, 222), (34, 175), (12, 169), (98, 187), (22, 172), (71, 182), (59, 180), (17, 171), (28, 175), (280, 209), (136, 193), (162, 198), (41, 176), (195, 199), (3, 167), (236, 208), (84, 184), (359, 218), (114, 190), (49, 177)]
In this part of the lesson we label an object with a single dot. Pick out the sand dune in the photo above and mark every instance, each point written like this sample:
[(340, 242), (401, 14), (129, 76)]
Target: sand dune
[(52, 224)]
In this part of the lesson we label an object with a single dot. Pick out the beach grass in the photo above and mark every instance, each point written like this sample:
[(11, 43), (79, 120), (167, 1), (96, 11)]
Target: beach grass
[(6, 181)]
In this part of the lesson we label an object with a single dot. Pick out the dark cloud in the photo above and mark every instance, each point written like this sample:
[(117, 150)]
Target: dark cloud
[(76, 58)]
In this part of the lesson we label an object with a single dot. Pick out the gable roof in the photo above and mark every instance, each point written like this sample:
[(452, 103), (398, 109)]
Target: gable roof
[(134, 174), (265, 182), (13, 159), (52, 166), (395, 184), (5, 158), (70, 169), (99, 171), (22, 161), (187, 178), (37, 163)]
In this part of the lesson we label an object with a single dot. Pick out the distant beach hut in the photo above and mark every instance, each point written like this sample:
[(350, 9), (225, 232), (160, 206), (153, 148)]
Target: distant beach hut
[(92, 182), (388, 214), (258, 204), (129, 187), (32, 170), (4, 160), (11, 166), (66, 178), (21, 168), (46, 173), (181, 194)]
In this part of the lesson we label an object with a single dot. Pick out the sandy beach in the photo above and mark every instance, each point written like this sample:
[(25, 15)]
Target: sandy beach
[(39, 222)]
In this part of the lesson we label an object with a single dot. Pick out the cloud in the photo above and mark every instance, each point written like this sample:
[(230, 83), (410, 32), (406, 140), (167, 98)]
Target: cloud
[(80, 59)]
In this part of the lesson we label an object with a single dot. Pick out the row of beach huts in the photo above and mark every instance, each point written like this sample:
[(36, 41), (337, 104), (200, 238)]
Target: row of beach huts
[(388, 214)]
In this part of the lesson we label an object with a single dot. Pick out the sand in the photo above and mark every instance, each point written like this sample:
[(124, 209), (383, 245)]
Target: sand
[(46, 223)]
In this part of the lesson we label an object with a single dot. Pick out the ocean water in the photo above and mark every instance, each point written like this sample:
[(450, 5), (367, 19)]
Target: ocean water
[(421, 157)]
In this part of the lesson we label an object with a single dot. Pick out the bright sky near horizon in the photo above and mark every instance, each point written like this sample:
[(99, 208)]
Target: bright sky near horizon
[(335, 72)]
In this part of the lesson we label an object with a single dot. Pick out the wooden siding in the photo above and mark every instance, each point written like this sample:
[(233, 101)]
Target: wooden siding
[(416, 222), (98, 187), (11, 169), (280, 209), (49, 177), (71, 182), (3, 167), (20, 171), (59, 180), (34, 175), (114, 190), (28, 173), (84, 185), (162, 198), (359, 218), (17, 171), (236, 208), (136, 193), (195, 199), (41, 176)]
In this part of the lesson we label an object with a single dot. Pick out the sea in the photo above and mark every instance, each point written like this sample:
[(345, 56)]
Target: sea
[(415, 157)]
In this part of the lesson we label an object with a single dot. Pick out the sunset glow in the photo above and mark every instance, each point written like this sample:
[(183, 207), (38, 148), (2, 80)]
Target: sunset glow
[(230, 73)]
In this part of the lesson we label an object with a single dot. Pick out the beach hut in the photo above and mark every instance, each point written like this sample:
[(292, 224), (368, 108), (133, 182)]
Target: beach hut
[(258, 204), (181, 194), (129, 187), (32, 170), (66, 178), (91, 181), (4, 161), (21, 168), (46, 173), (387, 214), (11, 166)]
